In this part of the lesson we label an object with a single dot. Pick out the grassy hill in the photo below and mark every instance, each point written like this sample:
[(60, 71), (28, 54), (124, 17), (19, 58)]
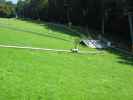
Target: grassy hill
[(38, 75)]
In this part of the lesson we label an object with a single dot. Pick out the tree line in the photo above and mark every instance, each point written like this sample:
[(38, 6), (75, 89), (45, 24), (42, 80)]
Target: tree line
[(91, 13), (7, 9), (80, 12), (34, 9)]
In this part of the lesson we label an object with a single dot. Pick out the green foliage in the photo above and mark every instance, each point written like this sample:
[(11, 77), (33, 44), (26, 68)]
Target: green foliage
[(7, 9), (35, 9), (20, 8), (2, 1)]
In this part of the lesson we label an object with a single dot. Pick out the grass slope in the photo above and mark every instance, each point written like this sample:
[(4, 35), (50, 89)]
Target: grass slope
[(36, 75)]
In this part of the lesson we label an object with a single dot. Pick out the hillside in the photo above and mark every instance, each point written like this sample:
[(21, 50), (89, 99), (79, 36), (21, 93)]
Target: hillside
[(43, 75)]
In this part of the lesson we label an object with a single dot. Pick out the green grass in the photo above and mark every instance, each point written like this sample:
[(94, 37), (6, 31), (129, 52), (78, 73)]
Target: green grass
[(38, 75)]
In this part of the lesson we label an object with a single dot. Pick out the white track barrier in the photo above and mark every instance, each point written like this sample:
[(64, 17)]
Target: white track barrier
[(46, 49), (32, 48)]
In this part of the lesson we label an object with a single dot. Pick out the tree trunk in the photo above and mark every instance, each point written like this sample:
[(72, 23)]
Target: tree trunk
[(103, 26), (131, 30)]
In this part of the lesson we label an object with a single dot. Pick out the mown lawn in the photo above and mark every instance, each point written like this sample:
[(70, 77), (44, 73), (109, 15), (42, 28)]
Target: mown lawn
[(39, 75)]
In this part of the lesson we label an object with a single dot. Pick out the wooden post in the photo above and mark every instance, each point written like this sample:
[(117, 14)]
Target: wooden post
[(131, 29)]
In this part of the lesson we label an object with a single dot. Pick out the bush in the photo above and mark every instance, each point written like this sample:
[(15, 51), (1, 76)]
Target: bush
[(7, 10)]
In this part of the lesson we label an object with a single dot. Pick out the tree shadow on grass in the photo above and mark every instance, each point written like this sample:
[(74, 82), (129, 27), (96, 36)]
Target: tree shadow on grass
[(53, 27), (62, 29), (124, 58), (56, 27), (35, 33)]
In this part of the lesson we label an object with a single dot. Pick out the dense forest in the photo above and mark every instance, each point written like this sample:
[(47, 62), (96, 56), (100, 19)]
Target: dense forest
[(91, 13), (77, 11)]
